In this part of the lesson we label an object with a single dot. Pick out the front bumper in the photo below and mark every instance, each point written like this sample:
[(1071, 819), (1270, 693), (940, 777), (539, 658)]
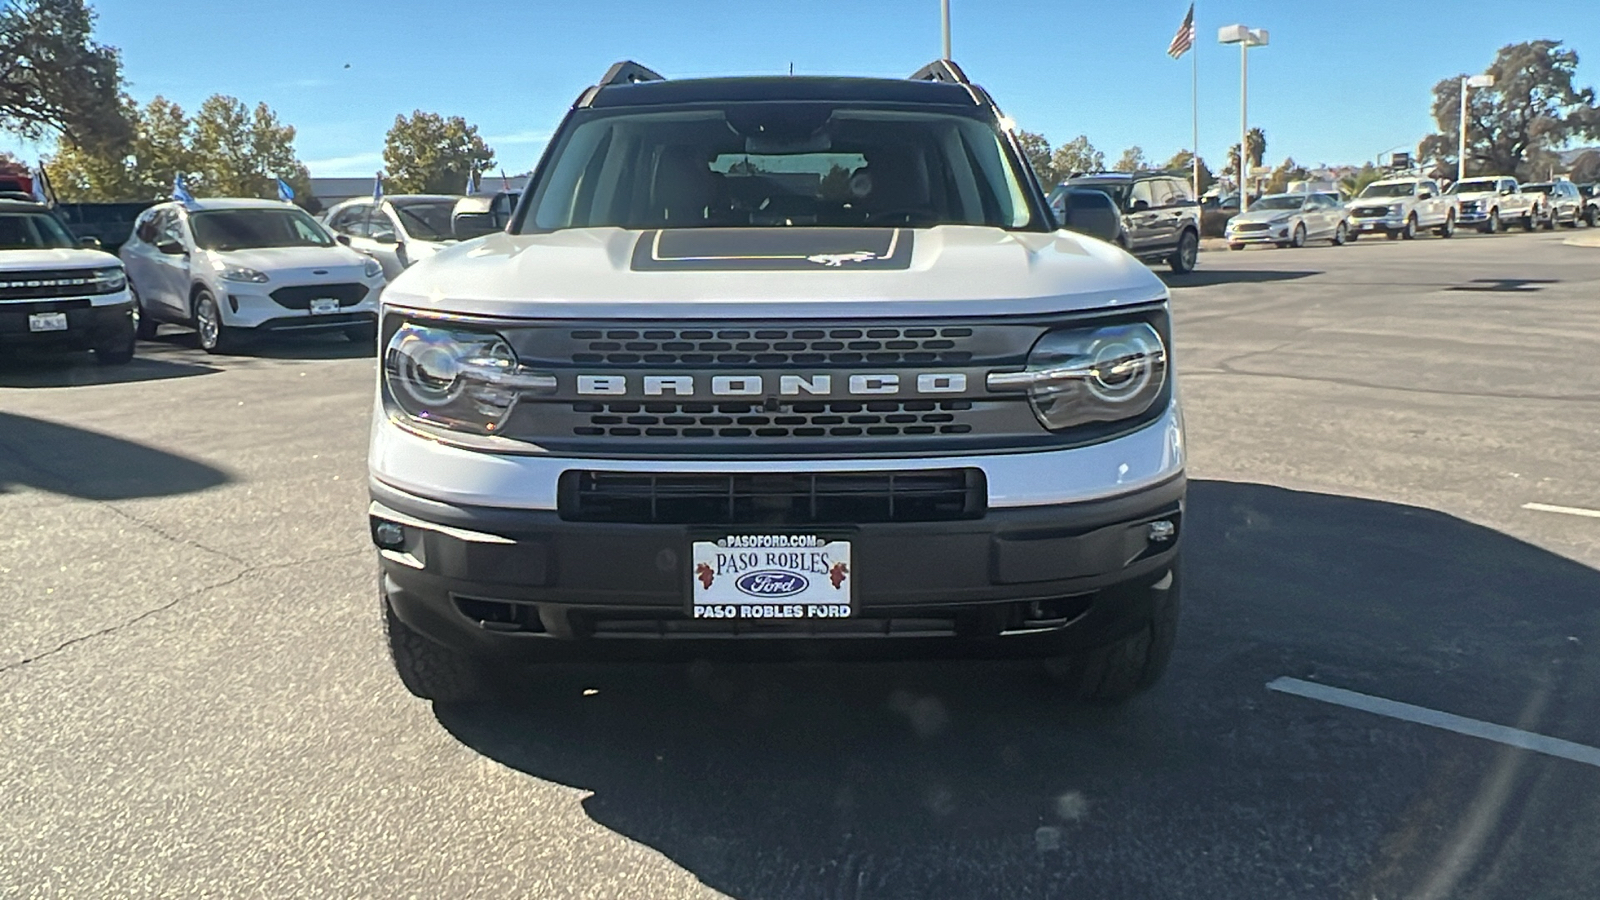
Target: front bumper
[(1276, 234), (1376, 224), (1018, 581), (249, 305), (91, 322)]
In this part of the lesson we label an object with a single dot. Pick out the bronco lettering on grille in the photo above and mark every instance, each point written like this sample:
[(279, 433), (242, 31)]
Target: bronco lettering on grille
[(755, 386)]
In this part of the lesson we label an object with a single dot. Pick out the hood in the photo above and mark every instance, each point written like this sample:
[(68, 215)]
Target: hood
[(1265, 215), (1475, 195), (788, 272), (337, 260), (72, 258)]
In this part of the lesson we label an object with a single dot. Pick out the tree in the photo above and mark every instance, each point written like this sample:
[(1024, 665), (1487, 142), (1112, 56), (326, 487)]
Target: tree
[(1132, 160), (1358, 182), (1514, 126), (1078, 155), (1183, 161), (55, 78), (1283, 174), (429, 154), (225, 150), (1586, 168), (1258, 150), (1036, 150)]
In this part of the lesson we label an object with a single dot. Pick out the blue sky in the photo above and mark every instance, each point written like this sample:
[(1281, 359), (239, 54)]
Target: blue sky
[(1341, 82)]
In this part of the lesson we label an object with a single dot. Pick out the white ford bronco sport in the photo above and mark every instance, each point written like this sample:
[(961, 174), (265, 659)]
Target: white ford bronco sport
[(779, 363)]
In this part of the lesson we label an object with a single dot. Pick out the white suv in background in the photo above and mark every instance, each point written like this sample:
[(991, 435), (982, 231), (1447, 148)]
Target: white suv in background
[(1401, 208), (230, 266), (396, 231), (1495, 201)]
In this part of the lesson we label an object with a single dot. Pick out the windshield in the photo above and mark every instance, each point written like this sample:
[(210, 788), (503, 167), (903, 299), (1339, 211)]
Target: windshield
[(781, 164), (1279, 201), (1480, 186), (1537, 188), (427, 220), (33, 231), (1405, 189), (249, 229), (1116, 190)]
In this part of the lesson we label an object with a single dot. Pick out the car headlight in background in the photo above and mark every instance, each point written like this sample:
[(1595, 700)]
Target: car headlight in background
[(1081, 376), (232, 272), (457, 378), (109, 280), (372, 268)]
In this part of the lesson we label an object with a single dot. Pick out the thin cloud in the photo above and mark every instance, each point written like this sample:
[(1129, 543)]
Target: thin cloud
[(519, 137), (346, 166)]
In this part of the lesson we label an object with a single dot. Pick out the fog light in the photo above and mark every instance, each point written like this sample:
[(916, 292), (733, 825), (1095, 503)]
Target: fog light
[(389, 536), (1161, 532)]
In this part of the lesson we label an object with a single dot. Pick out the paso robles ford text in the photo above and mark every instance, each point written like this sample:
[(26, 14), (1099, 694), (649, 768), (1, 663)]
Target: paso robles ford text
[(773, 611)]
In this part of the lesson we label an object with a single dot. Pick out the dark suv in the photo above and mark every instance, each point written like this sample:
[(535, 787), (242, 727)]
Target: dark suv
[(1160, 216)]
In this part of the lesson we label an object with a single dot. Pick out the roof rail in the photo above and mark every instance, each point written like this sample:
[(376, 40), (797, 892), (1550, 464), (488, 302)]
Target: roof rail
[(629, 72), (941, 70)]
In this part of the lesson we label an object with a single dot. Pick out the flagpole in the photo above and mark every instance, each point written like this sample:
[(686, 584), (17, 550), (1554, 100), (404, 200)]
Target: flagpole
[(1194, 104)]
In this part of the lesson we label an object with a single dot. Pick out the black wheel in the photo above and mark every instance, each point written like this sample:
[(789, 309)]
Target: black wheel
[(1591, 215), (1115, 672), (1299, 238), (429, 670), (214, 337), (144, 326), (1342, 235), (1352, 237), (1448, 229), (1409, 232), (1392, 235), (362, 334), (1184, 258), (119, 350), (1493, 225), (1235, 246), (1550, 221), (1530, 223)]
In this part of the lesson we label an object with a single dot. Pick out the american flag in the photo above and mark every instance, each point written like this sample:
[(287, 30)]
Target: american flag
[(1183, 41)]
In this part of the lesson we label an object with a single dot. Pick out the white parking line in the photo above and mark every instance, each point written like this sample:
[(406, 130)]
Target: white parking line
[(1513, 737), (1564, 510)]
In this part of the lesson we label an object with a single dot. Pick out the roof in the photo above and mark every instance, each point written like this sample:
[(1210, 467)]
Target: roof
[(205, 204), (723, 90)]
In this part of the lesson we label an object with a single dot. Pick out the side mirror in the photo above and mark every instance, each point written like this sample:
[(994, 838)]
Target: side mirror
[(1505, 192), (89, 243), (343, 239), (1092, 213), (172, 248), (469, 225), (1139, 205), (386, 238)]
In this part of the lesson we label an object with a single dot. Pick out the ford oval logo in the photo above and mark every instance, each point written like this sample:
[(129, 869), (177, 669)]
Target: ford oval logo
[(771, 584)]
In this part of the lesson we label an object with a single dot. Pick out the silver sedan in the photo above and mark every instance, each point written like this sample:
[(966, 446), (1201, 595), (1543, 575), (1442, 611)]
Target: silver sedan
[(1290, 220)]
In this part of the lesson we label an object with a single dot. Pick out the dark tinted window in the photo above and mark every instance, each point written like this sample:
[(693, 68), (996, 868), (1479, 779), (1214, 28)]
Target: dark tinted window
[(240, 229), (32, 231), (427, 220), (779, 164)]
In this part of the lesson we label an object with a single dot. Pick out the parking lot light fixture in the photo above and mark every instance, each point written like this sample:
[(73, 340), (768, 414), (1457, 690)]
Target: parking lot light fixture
[(1471, 81), (1246, 38)]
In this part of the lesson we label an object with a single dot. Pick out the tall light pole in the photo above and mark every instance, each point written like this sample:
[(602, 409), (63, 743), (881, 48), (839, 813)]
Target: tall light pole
[(944, 19), (1246, 38), (1474, 81)]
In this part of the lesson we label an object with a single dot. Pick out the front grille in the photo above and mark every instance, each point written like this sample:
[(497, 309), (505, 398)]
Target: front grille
[(885, 418), (799, 498), (46, 283), (299, 296), (1251, 226), (772, 346), (1371, 212)]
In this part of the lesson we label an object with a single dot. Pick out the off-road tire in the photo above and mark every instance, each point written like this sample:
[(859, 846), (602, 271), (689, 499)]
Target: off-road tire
[(1187, 255), (430, 670), (1115, 672)]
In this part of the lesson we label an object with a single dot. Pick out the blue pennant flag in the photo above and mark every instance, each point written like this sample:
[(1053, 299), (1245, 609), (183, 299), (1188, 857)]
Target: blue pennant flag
[(471, 188), (377, 188), (180, 191), (285, 193), (39, 192)]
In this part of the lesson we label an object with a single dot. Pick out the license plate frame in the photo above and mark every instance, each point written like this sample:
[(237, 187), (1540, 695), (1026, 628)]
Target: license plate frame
[(322, 306), (771, 578), (46, 322)]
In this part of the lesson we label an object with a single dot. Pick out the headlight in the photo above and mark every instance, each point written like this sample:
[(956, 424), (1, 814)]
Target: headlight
[(372, 268), (109, 280), (240, 273), (1080, 376), (1396, 209), (455, 378)]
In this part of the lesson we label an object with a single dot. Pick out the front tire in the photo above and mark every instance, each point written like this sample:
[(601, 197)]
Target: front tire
[(1493, 225), (1298, 240), (214, 337), (1448, 229), (1235, 246), (1187, 255), (144, 327), (429, 670), (1409, 232), (1341, 235), (119, 350), (1115, 672)]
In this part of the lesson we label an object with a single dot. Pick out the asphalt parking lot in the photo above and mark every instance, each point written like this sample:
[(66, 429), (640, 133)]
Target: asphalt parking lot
[(194, 700)]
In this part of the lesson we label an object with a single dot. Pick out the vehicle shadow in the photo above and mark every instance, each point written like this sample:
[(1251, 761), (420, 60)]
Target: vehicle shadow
[(76, 462), (289, 347), (78, 369), (979, 780), (1206, 277)]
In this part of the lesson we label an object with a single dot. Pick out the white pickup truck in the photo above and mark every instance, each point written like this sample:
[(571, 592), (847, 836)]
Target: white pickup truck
[(1493, 202), (1402, 207)]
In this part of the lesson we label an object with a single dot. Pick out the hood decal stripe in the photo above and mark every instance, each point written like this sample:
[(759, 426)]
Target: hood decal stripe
[(772, 249)]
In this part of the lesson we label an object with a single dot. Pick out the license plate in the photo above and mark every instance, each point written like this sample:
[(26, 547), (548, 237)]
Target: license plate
[(771, 576), (47, 322), (324, 305), (1368, 226)]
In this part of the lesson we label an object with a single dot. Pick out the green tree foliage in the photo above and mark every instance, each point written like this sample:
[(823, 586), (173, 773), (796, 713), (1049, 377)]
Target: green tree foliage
[(1132, 160), (1078, 155), (1355, 184), (55, 79), (1285, 173), (1036, 150), (225, 150), (1258, 150), (430, 154), (1514, 126), (1183, 161)]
